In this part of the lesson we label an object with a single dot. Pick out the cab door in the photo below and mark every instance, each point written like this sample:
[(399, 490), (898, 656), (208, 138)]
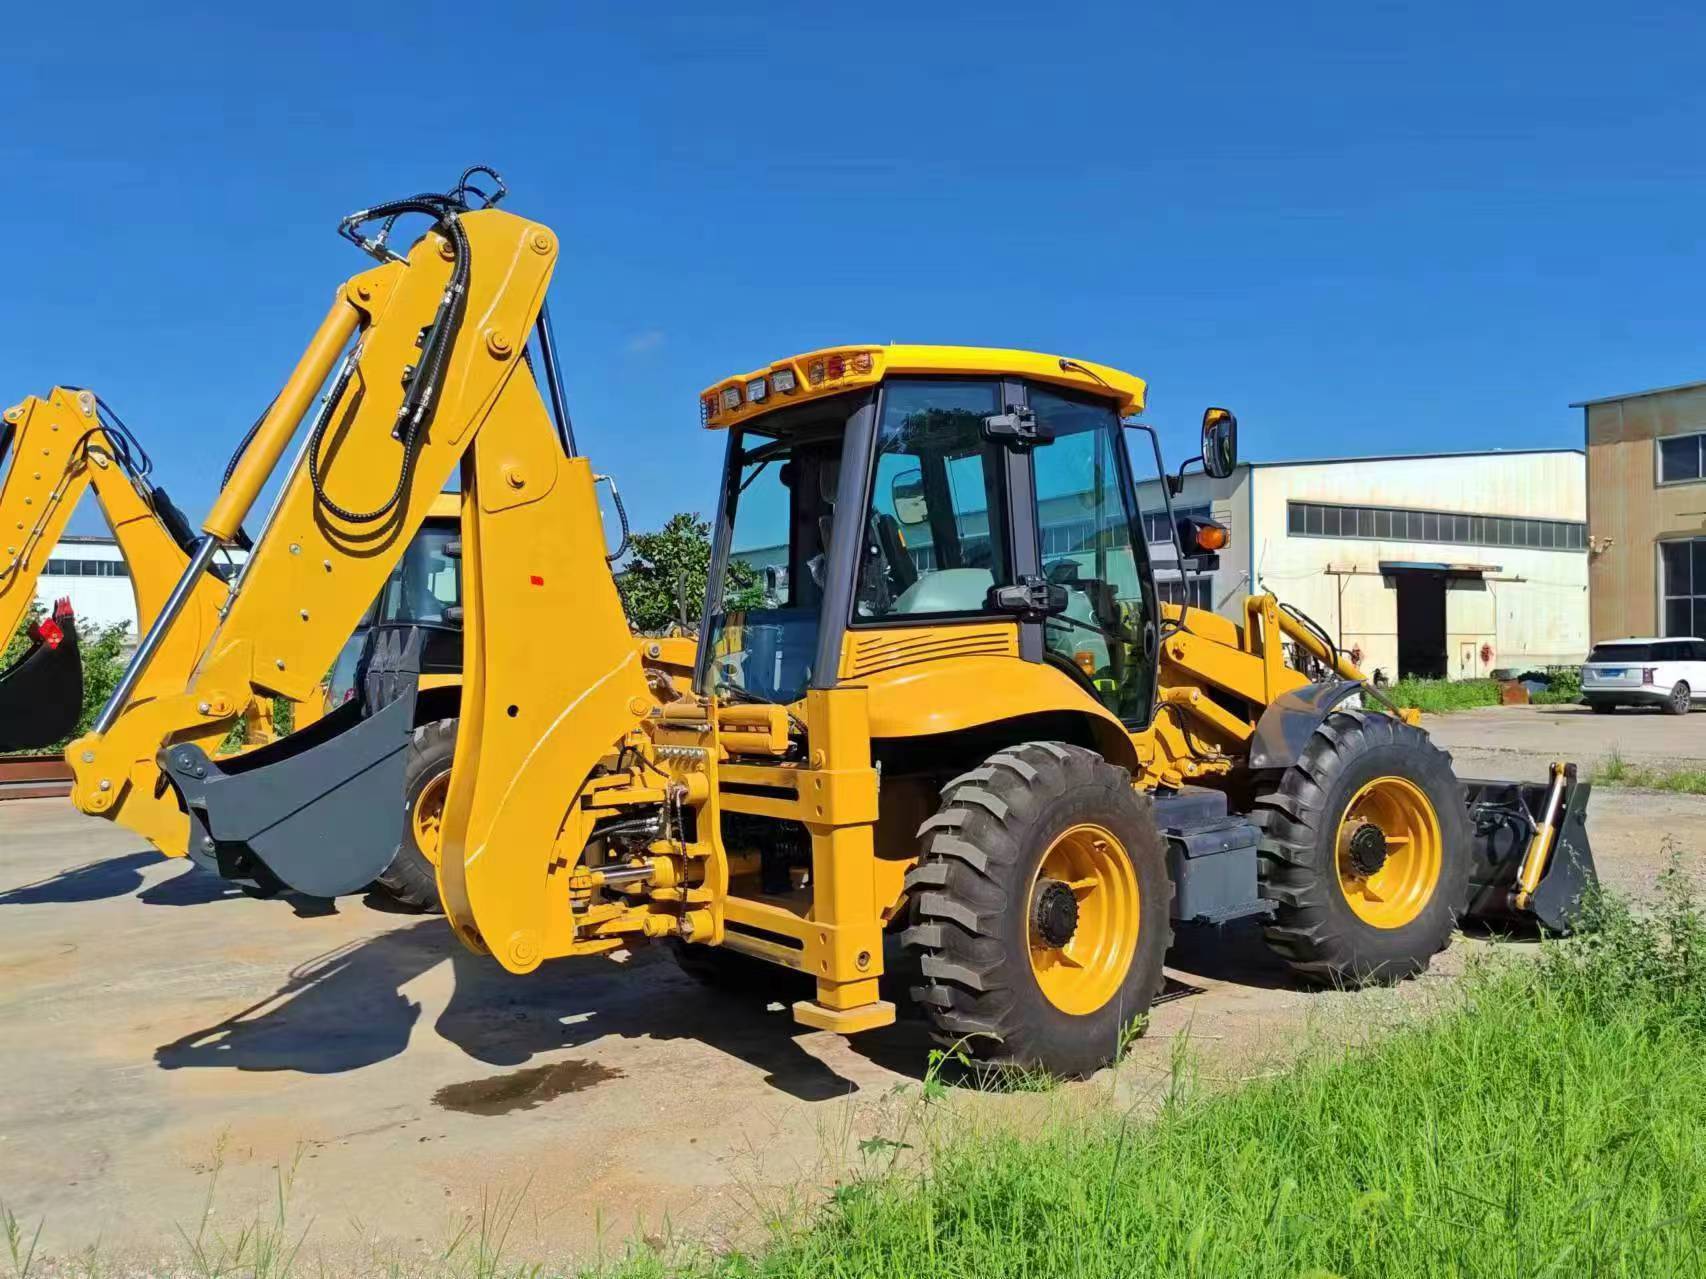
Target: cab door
[(1087, 538)]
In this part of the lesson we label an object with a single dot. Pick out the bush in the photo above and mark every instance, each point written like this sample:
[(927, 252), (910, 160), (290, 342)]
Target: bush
[(1442, 696), (1566, 686)]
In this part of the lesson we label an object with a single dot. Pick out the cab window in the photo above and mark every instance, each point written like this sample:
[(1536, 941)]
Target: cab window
[(935, 541)]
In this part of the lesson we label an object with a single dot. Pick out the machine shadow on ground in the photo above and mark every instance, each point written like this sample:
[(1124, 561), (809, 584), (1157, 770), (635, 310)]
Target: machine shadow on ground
[(123, 876), (347, 1009)]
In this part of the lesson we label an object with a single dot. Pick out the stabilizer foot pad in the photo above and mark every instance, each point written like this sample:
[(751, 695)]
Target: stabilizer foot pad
[(844, 1021)]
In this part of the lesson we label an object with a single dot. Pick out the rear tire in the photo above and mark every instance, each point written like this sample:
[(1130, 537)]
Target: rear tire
[(1039, 910), (411, 879), (1365, 850), (1680, 701)]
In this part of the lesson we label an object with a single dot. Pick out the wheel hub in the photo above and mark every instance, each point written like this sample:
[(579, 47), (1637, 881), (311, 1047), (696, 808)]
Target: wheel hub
[(1366, 849), (1054, 912)]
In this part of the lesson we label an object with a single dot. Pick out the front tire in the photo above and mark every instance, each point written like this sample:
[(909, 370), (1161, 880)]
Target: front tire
[(411, 880), (1365, 850), (1039, 910)]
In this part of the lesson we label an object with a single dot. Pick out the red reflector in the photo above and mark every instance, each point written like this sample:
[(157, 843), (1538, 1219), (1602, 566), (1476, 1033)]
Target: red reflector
[(837, 366), (537, 580), (47, 632)]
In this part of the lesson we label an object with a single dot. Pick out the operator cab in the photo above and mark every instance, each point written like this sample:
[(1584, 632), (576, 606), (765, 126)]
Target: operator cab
[(907, 487)]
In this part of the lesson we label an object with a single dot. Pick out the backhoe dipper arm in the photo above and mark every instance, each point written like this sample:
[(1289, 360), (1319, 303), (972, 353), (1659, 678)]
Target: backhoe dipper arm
[(350, 502), (61, 448)]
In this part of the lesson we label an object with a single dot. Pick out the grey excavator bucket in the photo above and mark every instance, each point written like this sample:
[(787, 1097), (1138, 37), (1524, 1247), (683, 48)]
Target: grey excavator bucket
[(320, 811)]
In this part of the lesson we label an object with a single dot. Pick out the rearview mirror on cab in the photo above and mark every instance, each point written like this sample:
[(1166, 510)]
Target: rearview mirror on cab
[(1219, 442), (906, 495)]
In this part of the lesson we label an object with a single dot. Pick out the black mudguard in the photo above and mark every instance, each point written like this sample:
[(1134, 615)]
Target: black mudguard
[(320, 811), (1503, 815), (41, 694), (1290, 720)]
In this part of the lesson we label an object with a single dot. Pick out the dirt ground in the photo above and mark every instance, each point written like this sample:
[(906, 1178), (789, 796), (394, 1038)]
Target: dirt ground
[(160, 1028)]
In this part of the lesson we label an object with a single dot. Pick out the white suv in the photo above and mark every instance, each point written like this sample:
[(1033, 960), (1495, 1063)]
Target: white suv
[(1667, 673)]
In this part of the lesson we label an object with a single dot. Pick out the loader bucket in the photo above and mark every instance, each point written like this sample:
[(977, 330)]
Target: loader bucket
[(41, 694), (1505, 817), (320, 811)]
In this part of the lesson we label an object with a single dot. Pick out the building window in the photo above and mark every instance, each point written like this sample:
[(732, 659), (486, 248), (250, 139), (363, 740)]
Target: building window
[(1396, 524), (85, 568), (1682, 458), (1198, 592), (1156, 528), (1682, 581)]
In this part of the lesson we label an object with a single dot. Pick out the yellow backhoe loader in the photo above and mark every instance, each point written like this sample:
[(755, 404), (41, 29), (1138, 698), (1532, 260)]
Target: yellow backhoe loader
[(52, 449), (939, 704)]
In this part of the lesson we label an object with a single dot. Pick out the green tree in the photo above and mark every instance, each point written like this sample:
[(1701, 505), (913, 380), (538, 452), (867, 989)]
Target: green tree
[(664, 582)]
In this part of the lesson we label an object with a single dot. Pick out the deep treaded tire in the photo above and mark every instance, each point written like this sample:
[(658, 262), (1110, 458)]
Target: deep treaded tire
[(974, 913), (1315, 928), (412, 877)]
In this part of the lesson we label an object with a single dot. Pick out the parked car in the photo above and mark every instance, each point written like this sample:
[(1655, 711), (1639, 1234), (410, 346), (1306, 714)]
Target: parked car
[(1667, 673)]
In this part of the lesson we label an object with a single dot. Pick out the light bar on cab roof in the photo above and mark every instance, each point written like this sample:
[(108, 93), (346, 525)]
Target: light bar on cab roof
[(841, 369), (822, 371)]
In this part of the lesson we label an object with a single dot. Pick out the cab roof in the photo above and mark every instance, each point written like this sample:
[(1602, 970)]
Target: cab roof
[(837, 369)]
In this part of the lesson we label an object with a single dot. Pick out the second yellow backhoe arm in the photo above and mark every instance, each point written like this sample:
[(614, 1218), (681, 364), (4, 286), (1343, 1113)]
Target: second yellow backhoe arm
[(63, 444)]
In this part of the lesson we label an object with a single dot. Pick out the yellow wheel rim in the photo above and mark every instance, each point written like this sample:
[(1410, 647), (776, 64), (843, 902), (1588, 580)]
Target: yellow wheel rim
[(1084, 918), (1389, 852), (427, 819)]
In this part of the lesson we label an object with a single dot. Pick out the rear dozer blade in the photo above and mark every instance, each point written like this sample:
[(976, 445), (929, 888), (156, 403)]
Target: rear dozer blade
[(320, 811), (41, 694), (1532, 863)]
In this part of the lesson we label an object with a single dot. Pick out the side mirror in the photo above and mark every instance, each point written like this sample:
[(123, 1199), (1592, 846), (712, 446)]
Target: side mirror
[(906, 495), (1219, 442)]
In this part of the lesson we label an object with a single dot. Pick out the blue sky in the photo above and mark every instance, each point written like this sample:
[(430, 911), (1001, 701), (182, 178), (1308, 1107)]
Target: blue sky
[(1367, 227)]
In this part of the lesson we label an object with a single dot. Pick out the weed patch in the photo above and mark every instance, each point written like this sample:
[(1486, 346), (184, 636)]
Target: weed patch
[(1614, 770), (1442, 696)]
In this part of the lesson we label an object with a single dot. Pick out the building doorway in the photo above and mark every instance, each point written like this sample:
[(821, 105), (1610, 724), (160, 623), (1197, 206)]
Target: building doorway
[(1421, 624)]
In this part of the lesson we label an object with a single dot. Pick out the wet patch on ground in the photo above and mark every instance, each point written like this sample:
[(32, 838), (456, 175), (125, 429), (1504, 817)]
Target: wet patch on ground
[(523, 1089)]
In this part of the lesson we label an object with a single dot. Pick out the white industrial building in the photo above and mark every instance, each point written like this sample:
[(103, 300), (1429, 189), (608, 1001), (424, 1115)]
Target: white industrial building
[(92, 574), (1452, 564)]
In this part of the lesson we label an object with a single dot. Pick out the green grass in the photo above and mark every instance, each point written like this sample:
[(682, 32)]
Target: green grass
[(1614, 770), (1545, 1123), (1442, 696)]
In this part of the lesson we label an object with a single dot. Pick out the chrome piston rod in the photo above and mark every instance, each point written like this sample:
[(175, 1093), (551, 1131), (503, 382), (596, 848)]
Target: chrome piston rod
[(199, 561)]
